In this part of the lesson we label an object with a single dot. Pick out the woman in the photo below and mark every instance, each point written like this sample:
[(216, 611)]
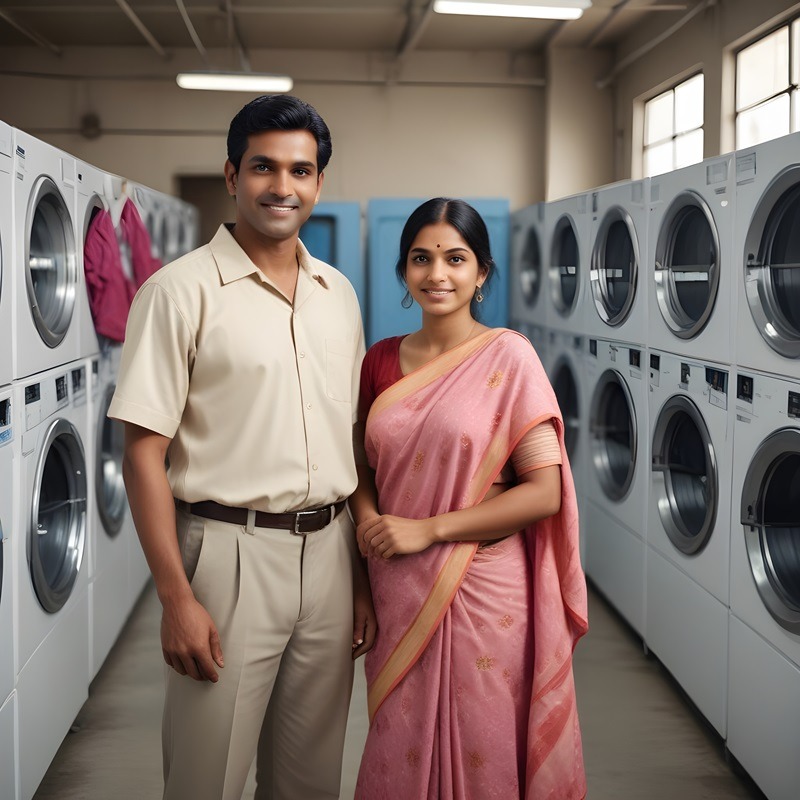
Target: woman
[(467, 513)]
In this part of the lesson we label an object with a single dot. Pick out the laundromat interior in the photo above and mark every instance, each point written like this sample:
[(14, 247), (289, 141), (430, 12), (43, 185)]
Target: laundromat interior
[(638, 168)]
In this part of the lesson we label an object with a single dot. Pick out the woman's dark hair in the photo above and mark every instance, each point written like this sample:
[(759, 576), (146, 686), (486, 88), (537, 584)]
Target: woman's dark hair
[(465, 219), (278, 112)]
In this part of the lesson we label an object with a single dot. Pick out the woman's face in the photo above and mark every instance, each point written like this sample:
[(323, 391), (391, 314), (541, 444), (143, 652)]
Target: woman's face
[(442, 272)]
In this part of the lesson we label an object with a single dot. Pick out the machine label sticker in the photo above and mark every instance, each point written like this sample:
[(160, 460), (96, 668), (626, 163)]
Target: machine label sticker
[(6, 436)]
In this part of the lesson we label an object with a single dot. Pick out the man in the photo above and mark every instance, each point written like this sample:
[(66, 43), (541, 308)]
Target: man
[(241, 364)]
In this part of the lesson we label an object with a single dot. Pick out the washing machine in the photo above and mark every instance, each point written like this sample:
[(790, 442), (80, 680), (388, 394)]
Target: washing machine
[(764, 668), (688, 537), (52, 613), (109, 590), (46, 255), (149, 204), (767, 249), (528, 300), (8, 493), (564, 363), (690, 263), (6, 257), (567, 252), (616, 303), (616, 475)]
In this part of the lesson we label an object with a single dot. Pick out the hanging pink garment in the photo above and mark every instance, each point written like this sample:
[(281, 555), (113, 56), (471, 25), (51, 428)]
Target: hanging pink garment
[(470, 686), (138, 239), (110, 292)]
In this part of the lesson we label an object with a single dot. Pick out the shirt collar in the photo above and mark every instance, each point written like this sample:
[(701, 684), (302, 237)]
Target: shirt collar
[(233, 263)]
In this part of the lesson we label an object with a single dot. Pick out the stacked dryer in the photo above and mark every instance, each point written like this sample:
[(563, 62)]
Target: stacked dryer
[(690, 282), (528, 300), (764, 661)]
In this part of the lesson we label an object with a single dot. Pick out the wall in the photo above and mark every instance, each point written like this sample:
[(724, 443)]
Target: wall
[(579, 153), (703, 43), (457, 124)]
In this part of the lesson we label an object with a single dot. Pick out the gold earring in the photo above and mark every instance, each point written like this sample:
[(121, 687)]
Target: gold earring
[(478, 295)]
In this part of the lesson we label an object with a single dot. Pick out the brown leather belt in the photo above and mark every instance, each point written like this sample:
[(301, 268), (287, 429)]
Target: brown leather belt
[(298, 522)]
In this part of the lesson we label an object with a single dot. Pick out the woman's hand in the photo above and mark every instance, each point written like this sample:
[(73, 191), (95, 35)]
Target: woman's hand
[(388, 536)]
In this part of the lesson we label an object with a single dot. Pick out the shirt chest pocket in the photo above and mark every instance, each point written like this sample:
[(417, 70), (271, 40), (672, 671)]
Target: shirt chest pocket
[(339, 370)]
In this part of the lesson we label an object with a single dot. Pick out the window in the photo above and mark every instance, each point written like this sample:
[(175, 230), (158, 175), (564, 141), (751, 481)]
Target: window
[(673, 128), (767, 74)]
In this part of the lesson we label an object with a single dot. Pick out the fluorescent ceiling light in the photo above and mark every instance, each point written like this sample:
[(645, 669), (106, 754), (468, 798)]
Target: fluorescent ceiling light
[(528, 9), (235, 82)]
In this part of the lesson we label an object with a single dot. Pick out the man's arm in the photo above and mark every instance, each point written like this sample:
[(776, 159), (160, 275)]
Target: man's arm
[(189, 638)]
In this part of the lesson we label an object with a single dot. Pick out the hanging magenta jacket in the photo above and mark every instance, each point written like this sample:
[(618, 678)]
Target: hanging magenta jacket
[(110, 292), (138, 239)]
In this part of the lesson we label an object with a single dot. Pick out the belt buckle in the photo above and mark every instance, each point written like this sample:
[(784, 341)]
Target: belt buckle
[(297, 514)]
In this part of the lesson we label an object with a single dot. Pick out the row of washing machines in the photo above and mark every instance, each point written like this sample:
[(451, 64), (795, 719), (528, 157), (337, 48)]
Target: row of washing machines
[(70, 565), (667, 313)]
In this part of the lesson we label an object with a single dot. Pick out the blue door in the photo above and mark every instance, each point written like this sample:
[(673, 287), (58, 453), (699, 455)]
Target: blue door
[(333, 235), (385, 220)]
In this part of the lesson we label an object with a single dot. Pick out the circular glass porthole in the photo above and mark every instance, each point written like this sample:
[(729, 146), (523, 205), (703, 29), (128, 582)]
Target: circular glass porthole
[(530, 274), (770, 515), (109, 485), (57, 527), (564, 266), (51, 271), (687, 265), (612, 428), (772, 264), (615, 266), (566, 391), (684, 475)]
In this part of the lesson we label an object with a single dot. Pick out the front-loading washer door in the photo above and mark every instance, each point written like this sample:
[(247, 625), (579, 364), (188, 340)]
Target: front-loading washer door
[(57, 527), (615, 266), (564, 261), (109, 486), (51, 267), (772, 264), (684, 475), (566, 390), (612, 428), (770, 516), (530, 274), (687, 265)]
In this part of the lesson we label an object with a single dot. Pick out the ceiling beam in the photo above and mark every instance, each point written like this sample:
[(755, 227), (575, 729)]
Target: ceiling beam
[(142, 28), (30, 34), (192, 31), (414, 29)]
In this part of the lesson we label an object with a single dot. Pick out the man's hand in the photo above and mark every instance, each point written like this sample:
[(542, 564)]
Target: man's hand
[(189, 640), (364, 622)]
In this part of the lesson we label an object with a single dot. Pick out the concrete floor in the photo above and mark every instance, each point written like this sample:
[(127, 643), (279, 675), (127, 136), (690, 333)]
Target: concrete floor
[(641, 738)]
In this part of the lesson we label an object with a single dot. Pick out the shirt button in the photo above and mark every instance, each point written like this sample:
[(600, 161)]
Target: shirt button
[(314, 467), (302, 355), (308, 405)]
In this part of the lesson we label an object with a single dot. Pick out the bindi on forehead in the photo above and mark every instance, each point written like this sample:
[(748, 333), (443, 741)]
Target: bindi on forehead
[(438, 245)]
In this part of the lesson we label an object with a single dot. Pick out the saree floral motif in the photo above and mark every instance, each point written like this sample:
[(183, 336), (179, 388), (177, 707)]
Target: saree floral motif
[(471, 692)]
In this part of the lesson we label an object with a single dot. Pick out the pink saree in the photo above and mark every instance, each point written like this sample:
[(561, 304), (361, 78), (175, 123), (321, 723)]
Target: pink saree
[(470, 685)]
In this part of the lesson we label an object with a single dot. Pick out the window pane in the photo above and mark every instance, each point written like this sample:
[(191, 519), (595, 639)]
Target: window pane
[(658, 159), (767, 121), (658, 117), (795, 53), (762, 69), (689, 149), (689, 104)]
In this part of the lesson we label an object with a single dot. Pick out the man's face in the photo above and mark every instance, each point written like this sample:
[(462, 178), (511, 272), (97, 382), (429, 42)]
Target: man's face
[(277, 184)]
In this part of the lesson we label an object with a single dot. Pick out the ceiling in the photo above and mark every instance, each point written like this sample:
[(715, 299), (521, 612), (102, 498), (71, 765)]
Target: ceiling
[(387, 26)]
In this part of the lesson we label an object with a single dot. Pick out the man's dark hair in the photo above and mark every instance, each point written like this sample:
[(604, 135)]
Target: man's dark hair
[(278, 112)]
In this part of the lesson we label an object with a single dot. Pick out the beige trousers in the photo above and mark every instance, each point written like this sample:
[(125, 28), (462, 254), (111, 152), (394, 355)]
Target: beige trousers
[(283, 607)]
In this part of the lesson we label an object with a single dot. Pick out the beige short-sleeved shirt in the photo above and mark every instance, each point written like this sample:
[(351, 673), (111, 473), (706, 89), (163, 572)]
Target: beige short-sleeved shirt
[(258, 395)]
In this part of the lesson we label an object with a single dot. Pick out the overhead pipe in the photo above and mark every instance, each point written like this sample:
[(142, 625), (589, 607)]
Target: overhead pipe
[(653, 43)]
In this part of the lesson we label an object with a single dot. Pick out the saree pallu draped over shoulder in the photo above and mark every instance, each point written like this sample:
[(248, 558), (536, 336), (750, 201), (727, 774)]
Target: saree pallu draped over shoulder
[(470, 684)]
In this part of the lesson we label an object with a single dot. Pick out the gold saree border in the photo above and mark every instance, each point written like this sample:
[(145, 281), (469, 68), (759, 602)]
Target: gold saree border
[(434, 369), (421, 630)]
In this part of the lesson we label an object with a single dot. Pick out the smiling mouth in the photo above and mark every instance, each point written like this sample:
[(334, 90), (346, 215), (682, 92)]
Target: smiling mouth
[(279, 209), (438, 292)]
